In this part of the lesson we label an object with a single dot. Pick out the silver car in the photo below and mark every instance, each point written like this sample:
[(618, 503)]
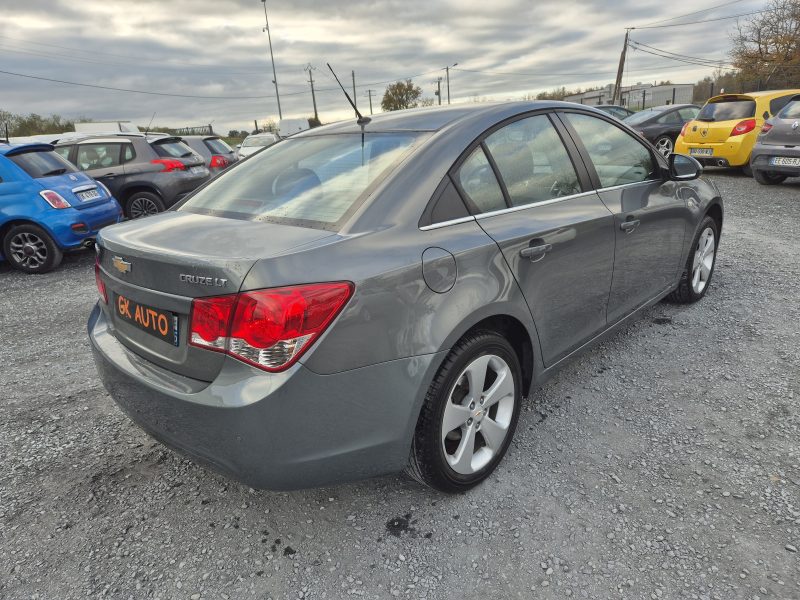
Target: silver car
[(776, 154), (373, 296)]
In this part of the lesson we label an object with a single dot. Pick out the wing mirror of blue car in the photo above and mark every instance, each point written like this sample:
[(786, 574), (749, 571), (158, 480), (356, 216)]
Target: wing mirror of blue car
[(684, 168)]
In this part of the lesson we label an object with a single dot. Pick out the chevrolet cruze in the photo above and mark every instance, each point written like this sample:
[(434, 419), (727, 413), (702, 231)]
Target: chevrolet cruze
[(381, 295)]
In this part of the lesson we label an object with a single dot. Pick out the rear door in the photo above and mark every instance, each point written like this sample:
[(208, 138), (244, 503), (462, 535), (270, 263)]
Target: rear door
[(556, 236), (649, 215), (101, 161)]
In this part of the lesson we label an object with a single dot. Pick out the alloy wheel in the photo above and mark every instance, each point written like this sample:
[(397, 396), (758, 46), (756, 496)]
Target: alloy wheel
[(142, 207), (29, 250), (703, 260), (664, 146), (478, 414)]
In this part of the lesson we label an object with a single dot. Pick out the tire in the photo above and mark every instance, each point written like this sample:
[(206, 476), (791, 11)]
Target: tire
[(665, 145), (768, 177), (30, 249), (143, 204), (694, 286), (747, 171), (434, 452)]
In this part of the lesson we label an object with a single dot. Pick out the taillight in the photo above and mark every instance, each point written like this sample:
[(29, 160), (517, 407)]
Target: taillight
[(54, 199), (169, 164), (270, 329), (765, 128), (218, 161), (684, 128), (743, 127), (101, 287)]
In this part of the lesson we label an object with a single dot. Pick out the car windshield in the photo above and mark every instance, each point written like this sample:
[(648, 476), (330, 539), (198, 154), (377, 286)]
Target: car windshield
[(727, 110), (643, 115), (217, 146), (311, 181), (172, 148), (791, 110), (259, 141), (42, 163)]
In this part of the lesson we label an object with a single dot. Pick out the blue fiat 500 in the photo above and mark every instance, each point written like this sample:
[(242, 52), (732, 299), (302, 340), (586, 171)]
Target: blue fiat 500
[(47, 207)]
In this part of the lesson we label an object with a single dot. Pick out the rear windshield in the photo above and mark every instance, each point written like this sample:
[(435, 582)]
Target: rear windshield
[(643, 115), (42, 163), (259, 141), (172, 149), (217, 146), (791, 110), (312, 181), (727, 110)]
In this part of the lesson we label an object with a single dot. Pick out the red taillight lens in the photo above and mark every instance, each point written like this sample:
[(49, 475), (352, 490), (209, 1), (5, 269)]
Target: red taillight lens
[(218, 161), (743, 127), (54, 199), (169, 164), (766, 127), (684, 128), (101, 286), (270, 329)]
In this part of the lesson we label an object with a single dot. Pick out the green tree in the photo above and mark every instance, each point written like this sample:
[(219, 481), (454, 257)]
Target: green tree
[(400, 95)]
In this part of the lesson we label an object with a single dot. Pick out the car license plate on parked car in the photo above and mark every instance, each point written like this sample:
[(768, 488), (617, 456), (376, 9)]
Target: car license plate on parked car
[(199, 170), (159, 323), (87, 195), (784, 161), (701, 152)]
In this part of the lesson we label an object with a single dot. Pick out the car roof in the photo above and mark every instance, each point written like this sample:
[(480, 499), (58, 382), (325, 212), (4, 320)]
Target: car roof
[(200, 137), (12, 149), (754, 95)]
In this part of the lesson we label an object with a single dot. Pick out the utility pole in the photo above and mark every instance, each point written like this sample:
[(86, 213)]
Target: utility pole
[(447, 70), (369, 93), (272, 58), (439, 90), (620, 69), (309, 68), (355, 101)]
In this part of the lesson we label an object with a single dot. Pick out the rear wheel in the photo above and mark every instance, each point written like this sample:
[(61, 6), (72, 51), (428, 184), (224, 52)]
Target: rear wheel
[(696, 276), (143, 204), (30, 248), (469, 415), (747, 171), (768, 177), (664, 145)]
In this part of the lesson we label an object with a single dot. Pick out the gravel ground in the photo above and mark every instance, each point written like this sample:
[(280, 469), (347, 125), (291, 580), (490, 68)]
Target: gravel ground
[(663, 464)]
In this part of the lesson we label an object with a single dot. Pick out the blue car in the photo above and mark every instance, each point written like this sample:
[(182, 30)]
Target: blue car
[(47, 207)]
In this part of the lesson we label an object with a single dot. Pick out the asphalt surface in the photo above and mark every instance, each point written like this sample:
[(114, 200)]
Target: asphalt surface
[(662, 464)]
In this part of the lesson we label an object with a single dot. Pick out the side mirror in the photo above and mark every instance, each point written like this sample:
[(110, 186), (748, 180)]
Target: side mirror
[(684, 168)]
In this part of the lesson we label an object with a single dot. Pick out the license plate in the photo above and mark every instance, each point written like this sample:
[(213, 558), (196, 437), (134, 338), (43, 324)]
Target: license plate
[(784, 161), (158, 323), (701, 152), (199, 170), (87, 195)]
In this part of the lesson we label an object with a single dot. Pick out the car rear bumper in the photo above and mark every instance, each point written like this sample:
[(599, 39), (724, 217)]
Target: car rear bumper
[(66, 226), (175, 185), (763, 153), (287, 430), (734, 152)]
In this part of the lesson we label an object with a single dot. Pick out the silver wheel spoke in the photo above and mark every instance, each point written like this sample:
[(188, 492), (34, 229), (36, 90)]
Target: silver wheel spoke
[(503, 387), (476, 376), (493, 433), (455, 416), (461, 460)]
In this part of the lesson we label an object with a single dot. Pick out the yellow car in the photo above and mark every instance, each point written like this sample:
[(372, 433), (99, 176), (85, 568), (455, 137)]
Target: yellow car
[(724, 132)]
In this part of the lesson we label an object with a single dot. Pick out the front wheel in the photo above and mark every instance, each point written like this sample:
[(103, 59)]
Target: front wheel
[(696, 276), (664, 145), (30, 248), (469, 415), (768, 177)]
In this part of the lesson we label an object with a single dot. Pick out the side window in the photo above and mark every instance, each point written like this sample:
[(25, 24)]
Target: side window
[(618, 157), (128, 154), (687, 114), (63, 151), (671, 118), (97, 156), (532, 161), (776, 105), (477, 179)]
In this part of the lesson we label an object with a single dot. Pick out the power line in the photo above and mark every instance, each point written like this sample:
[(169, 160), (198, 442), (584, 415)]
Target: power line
[(697, 12), (673, 55), (756, 12)]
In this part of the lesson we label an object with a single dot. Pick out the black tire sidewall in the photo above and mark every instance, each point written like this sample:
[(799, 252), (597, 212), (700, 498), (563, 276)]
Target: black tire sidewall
[(147, 195), (54, 253), (704, 224)]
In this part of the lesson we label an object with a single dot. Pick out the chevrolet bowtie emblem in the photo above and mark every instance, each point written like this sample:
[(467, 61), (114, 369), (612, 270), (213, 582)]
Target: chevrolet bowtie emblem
[(121, 265)]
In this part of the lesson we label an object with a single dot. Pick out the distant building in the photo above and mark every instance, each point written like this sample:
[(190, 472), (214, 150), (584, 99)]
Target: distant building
[(639, 96)]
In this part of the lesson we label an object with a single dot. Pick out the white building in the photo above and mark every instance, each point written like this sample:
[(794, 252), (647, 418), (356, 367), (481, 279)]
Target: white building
[(639, 96)]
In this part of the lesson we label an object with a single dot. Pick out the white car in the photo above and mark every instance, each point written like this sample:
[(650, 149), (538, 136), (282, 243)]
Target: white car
[(253, 143)]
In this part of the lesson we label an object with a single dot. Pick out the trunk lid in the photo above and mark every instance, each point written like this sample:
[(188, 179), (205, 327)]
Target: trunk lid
[(80, 190), (715, 122), (154, 267)]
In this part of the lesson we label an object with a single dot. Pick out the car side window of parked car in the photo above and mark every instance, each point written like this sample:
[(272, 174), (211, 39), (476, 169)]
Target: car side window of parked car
[(63, 151), (98, 156), (478, 182), (670, 118), (618, 157), (128, 153), (533, 162), (689, 113)]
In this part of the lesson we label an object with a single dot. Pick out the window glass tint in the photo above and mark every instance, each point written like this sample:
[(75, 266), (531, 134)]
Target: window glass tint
[(63, 151), (97, 156), (532, 161), (218, 146), (670, 118), (310, 181), (791, 110), (42, 163), (618, 157), (128, 153), (643, 115), (479, 183), (172, 149), (260, 141), (728, 110), (687, 114), (777, 104)]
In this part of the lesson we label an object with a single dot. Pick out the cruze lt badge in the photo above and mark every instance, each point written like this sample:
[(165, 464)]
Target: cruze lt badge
[(121, 265), (199, 280)]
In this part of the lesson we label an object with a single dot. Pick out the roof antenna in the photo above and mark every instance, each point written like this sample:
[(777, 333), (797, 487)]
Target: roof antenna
[(150, 123), (362, 120)]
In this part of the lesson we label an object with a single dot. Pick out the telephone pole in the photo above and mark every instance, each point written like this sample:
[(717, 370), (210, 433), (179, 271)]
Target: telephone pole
[(355, 101), (369, 93), (618, 83), (439, 90), (309, 68), (447, 70), (272, 58)]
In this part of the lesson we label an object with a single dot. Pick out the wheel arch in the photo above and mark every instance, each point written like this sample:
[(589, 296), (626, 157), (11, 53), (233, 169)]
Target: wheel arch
[(128, 190), (716, 212), (6, 226)]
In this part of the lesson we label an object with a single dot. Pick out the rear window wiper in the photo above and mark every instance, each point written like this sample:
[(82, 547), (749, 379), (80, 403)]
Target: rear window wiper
[(54, 172)]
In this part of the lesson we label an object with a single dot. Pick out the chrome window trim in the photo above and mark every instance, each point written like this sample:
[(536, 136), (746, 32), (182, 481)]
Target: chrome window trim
[(625, 185), (513, 209), (447, 223)]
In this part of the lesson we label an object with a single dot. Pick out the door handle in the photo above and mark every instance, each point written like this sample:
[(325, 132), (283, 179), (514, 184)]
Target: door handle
[(535, 251), (629, 226)]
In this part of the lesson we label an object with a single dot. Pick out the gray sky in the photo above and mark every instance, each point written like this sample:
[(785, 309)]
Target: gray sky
[(217, 48)]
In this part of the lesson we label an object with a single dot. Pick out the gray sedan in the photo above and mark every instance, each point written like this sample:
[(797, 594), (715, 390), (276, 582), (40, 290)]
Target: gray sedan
[(381, 295), (776, 154)]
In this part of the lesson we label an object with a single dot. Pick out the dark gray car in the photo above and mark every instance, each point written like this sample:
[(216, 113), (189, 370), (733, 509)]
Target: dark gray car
[(146, 173), (363, 298), (776, 154), (217, 154)]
